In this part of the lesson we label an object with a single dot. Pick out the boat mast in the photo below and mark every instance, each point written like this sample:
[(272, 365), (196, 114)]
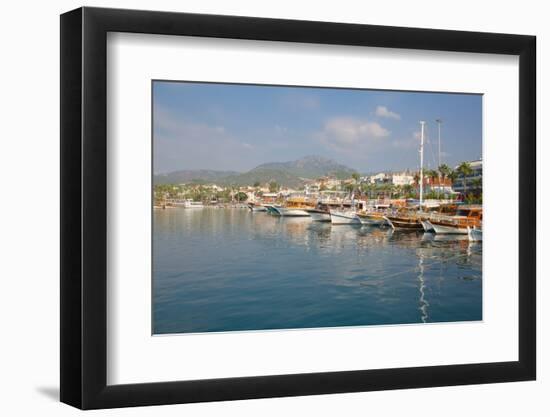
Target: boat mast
[(422, 123), (438, 121)]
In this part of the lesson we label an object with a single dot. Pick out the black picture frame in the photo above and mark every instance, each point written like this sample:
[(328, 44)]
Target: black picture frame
[(84, 207)]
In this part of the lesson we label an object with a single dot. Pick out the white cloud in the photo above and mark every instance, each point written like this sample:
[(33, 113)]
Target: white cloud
[(383, 111), (349, 133), (349, 130)]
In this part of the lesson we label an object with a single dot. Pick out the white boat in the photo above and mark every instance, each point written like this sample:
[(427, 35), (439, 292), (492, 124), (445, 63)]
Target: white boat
[(193, 204), (449, 230), (256, 207), (475, 235), (318, 215), (291, 211), (344, 217)]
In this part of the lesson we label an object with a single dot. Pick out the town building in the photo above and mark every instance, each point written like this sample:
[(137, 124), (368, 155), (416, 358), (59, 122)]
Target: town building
[(403, 178), (378, 178), (471, 180)]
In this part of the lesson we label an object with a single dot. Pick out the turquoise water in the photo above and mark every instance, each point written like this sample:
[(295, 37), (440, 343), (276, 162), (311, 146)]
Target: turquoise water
[(229, 269)]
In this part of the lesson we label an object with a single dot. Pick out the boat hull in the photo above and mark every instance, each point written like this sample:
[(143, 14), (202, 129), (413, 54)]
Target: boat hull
[(193, 206), (404, 223), (372, 221), (255, 209), (291, 212), (448, 229), (337, 217), (319, 216), (271, 209)]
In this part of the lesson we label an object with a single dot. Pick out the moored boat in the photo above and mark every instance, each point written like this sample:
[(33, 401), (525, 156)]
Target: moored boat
[(190, 204), (404, 221), (291, 211), (295, 207), (256, 207), (344, 217), (319, 213), (271, 209), (371, 219), (459, 223)]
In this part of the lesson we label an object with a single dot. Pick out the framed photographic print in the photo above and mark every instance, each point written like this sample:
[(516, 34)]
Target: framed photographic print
[(257, 208)]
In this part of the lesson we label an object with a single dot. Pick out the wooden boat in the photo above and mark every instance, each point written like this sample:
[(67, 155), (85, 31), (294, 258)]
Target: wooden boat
[(404, 220), (458, 224), (434, 213), (371, 218), (295, 207)]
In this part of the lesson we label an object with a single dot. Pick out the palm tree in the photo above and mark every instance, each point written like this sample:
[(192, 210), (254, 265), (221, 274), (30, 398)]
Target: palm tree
[(464, 169), (444, 170), (356, 177), (477, 183), (416, 178)]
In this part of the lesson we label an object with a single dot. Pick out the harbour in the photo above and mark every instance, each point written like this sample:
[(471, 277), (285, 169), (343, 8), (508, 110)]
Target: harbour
[(382, 225), (228, 269)]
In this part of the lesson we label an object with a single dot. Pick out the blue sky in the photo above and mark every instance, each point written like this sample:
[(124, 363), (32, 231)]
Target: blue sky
[(237, 127)]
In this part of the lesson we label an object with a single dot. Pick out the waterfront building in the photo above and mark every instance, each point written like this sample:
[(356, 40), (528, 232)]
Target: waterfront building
[(403, 178), (471, 180), (378, 178)]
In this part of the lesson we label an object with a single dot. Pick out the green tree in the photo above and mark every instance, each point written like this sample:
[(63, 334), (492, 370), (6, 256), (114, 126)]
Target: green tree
[(273, 187), (432, 174), (240, 196), (356, 177), (416, 178), (477, 184), (464, 170), (444, 170)]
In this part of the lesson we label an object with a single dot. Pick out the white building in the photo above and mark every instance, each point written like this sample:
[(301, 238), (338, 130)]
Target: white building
[(477, 174), (402, 179), (378, 178)]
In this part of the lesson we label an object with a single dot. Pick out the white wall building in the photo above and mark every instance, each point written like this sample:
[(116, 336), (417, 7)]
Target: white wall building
[(378, 178), (402, 179), (477, 174)]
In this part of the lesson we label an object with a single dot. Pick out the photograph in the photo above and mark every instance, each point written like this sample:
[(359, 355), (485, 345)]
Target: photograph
[(300, 207)]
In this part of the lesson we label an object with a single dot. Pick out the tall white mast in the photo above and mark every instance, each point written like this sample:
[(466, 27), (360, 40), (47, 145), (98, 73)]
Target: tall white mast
[(422, 123), (438, 121)]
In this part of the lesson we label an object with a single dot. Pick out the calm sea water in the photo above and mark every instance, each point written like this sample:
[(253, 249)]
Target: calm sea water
[(229, 269)]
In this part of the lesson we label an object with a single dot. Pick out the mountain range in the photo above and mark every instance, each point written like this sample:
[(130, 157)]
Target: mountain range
[(289, 174)]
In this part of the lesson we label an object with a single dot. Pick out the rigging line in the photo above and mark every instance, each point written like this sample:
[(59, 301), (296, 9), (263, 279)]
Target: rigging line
[(431, 148)]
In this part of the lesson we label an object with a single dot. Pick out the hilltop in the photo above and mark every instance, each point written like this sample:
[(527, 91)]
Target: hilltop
[(288, 174)]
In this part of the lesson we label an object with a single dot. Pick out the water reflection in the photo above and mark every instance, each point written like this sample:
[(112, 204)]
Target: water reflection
[(218, 269)]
